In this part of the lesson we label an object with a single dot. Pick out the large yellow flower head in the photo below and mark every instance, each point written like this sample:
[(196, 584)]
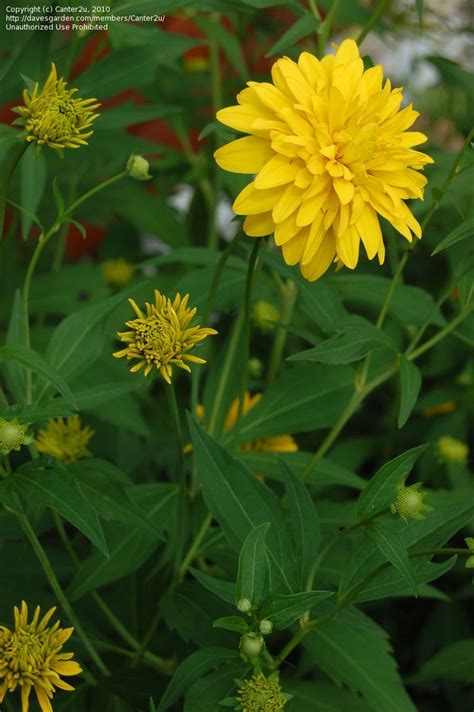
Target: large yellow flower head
[(65, 439), (30, 658), (54, 117), (331, 152), (162, 336)]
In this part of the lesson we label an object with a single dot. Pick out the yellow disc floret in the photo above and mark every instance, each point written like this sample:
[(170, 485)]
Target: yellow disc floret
[(65, 439), (161, 336), (13, 435), (331, 152), (409, 504), (261, 694), (30, 658), (53, 116)]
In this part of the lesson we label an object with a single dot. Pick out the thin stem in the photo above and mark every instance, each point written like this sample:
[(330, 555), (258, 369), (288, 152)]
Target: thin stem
[(324, 28), (391, 291), (56, 586), (309, 625), (216, 90), (289, 293), (218, 273), (190, 556), (314, 9), (105, 184), (160, 663), (441, 334), (380, 7), (180, 515), (6, 177)]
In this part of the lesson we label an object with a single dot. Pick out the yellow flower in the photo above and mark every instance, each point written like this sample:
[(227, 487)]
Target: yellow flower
[(261, 694), (452, 450), (53, 117), (117, 272), (265, 315), (65, 439), (163, 337), (331, 153), (274, 443), (30, 658)]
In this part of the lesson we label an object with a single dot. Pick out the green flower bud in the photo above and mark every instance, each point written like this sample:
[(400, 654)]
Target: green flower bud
[(265, 626), (251, 644), (255, 367), (244, 605), (265, 315), (13, 435), (138, 167), (470, 545), (409, 503)]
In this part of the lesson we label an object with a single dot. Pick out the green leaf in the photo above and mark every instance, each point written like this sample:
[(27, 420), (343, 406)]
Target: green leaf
[(16, 336), (381, 489), (252, 577), (129, 548), (36, 363), (58, 197), (284, 610), (354, 651), (322, 697), (304, 523), (410, 384), (289, 406), (226, 590), (193, 668), (394, 551), (151, 706), (419, 10), (455, 662), (207, 692), (79, 226), (240, 502), (59, 489), (33, 180), (79, 338), (233, 623), (301, 28), (226, 41), (461, 232), (357, 338)]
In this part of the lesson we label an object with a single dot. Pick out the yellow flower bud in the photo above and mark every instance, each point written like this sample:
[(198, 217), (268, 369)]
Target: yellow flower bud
[(13, 435), (265, 315), (452, 450)]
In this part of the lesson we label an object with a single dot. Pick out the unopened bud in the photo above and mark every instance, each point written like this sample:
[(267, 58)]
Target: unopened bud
[(255, 367), (452, 450), (265, 315), (265, 626), (13, 435), (138, 167), (244, 605), (409, 502), (251, 644)]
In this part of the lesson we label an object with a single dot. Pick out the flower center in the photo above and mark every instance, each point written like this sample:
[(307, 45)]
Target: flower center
[(54, 117), (24, 653), (157, 339)]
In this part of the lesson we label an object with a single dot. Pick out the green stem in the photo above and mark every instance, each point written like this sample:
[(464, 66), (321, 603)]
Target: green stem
[(216, 90), (6, 178), (190, 556), (154, 660), (105, 184), (380, 7), (289, 293), (308, 626), (180, 515), (314, 9), (56, 586), (324, 28), (441, 334), (246, 331), (218, 273)]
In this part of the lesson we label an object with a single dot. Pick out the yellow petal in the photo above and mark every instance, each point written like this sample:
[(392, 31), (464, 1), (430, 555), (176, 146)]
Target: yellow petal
[(259, 225), (368, 227), (347, 246), (66, 667), (43, 699), (287, 203), (25, 694), (321, 260), (344, 190), (279, 170), (293, 249), (244, 155), (347, 52), (251, 201)]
